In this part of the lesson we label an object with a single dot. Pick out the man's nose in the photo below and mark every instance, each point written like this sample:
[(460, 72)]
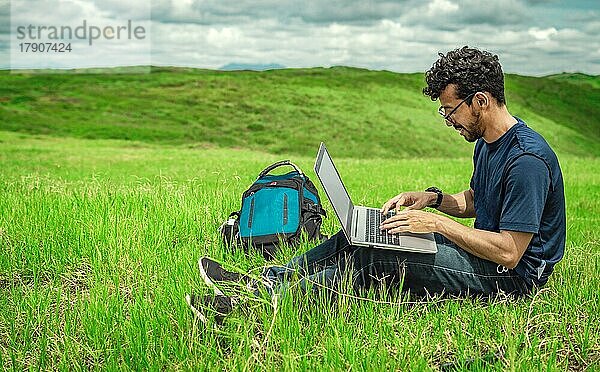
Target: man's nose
[(449, 123)]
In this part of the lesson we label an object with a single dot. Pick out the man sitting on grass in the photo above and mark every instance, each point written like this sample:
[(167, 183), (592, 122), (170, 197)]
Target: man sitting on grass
[(516, 196)]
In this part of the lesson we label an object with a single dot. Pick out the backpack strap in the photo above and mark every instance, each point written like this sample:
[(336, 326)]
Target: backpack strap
[(236, 214), (315, 208), (280, 164)]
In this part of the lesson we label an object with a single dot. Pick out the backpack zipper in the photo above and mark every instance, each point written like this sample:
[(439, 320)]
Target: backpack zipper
[(251, 214), (285, 209)]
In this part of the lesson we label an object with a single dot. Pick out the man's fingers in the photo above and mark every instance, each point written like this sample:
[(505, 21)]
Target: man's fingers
[(400, 202), (399, 227), (386, 206), (399, 230), (396, 217), (389, 204), (386, 225)]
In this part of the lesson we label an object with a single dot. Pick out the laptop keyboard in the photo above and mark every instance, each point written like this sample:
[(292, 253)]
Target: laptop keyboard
[(374, 235)]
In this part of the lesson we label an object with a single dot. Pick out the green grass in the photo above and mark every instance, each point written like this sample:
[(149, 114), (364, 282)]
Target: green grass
[(99, 241), (285, 111), (112, 186)]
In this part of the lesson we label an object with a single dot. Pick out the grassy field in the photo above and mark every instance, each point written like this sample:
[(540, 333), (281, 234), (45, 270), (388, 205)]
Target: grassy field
[(99, 241), (113, 185), (286, 111)]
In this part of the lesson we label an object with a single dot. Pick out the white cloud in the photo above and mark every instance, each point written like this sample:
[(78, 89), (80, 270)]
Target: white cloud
[(224, 37), (388, 44), (403, 35), (437, 7), (542, 34)]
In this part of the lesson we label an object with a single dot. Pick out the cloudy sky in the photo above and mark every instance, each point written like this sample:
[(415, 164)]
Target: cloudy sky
[(532, 37)]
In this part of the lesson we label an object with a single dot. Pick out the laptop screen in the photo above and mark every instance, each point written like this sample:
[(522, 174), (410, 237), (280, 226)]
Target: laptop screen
[(334, 188)]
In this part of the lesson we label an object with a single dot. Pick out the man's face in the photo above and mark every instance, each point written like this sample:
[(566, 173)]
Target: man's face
[(463, 119)]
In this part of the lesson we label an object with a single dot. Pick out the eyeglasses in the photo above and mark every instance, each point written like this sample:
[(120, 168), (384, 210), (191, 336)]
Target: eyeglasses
[(447, 117)]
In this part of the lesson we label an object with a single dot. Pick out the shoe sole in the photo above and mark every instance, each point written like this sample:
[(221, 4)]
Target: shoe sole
[(207, 280), (197, 313)]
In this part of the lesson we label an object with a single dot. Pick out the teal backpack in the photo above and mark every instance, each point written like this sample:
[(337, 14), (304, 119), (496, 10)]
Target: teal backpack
[(276, 209)]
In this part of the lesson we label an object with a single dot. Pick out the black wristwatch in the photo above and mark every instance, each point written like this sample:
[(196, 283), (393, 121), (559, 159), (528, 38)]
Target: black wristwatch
[(440, 196)]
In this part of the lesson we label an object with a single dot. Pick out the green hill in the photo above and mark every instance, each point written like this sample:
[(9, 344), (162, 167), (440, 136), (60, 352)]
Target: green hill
[(357, 112)]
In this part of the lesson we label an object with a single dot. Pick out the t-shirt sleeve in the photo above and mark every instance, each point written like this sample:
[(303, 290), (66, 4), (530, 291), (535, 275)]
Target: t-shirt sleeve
[(527, 185)]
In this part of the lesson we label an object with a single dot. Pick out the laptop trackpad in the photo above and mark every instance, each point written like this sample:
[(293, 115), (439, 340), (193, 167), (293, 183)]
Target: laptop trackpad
[(417, 241)]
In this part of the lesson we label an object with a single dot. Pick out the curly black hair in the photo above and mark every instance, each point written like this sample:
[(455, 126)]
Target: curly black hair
[(472, 70)]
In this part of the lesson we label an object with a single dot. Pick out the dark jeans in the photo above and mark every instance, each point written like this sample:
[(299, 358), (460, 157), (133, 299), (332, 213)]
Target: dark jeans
[(451, 271)]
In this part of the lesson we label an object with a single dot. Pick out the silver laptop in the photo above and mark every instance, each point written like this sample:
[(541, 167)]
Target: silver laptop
[(361, 224)]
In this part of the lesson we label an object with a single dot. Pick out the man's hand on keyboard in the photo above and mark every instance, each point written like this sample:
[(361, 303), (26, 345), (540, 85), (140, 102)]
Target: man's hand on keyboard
[(413, 221), (410, 200)]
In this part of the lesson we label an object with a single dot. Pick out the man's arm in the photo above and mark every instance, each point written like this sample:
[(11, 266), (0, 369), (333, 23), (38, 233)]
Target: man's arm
[(527, 185), (457, 205), (505, 248)]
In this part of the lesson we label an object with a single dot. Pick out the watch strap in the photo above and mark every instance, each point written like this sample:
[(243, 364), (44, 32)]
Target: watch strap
[(440, 196)]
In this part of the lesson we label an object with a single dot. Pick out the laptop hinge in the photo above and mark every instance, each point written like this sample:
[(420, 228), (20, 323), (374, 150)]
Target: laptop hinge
[(349, 222), (355, 218)]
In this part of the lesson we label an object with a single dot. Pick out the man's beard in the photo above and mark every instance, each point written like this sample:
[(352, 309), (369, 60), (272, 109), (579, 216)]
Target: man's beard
[(475, 131), (471, 137)]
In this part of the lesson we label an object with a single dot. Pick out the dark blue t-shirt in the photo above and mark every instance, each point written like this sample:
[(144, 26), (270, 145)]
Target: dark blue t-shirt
[(518, 186)]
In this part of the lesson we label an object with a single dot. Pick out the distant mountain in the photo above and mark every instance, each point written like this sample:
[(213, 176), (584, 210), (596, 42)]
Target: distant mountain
[(250, 66)]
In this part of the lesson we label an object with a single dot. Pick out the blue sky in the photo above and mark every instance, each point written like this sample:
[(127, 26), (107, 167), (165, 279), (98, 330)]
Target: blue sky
[(533, 37)]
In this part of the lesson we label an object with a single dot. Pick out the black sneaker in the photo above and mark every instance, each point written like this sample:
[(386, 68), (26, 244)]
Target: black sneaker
[(205, 307), (214, 275)]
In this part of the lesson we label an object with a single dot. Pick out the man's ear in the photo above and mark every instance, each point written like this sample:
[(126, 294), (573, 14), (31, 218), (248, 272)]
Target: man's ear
[(481, 100)]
